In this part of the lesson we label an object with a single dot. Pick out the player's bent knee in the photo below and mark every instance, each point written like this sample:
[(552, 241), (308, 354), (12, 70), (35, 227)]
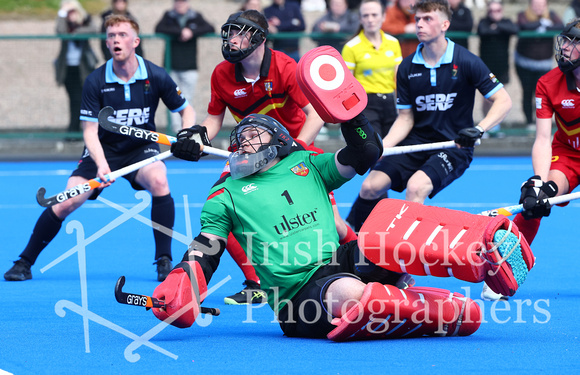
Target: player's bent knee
[(418, 191), (158, 185), (371, 190), (67, 207)]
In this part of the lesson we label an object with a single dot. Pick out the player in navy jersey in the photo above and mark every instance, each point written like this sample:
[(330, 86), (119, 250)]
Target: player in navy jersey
[(133, 87), (435, 97)]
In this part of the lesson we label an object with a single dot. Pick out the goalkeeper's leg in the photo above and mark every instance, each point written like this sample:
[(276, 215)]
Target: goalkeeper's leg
[(342, 307), (409, 237), (385, 311)]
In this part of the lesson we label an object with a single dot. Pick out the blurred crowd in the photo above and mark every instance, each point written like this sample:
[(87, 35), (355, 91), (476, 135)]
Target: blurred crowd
[(532, 57)]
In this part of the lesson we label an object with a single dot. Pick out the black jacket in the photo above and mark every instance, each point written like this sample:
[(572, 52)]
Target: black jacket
[(183, 54), (461, 20), (494, 40)]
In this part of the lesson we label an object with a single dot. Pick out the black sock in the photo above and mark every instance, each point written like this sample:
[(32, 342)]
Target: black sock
[(46, 228), (162, 214), (360, 210)]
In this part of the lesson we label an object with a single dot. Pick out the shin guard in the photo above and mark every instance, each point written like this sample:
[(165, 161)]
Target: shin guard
[(385, 311), (183, 291), (423, 240)]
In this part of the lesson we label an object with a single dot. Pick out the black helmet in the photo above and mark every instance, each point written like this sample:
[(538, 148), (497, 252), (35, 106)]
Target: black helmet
[(570, 35), (280, 145), (240, 24)]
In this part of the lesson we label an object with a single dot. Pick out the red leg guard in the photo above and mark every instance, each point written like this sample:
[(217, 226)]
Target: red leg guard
[(183, 291), (423, 240), (528, 228), (385, 311), (233, 247)]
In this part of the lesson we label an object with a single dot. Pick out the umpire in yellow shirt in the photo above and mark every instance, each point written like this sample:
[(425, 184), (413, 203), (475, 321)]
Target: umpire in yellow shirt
[(373, 57)]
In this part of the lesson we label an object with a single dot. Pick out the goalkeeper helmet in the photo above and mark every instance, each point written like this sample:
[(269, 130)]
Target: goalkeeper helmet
[(250, 25), (566, 45), (256, 141)]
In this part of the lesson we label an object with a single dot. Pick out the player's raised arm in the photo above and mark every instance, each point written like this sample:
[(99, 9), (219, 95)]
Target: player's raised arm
[(363, 147)]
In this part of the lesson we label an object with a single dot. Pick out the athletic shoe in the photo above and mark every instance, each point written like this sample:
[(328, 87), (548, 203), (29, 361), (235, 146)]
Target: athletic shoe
[(163, 267), (20, 271), (405, 281), (250, 294), (489, 295)]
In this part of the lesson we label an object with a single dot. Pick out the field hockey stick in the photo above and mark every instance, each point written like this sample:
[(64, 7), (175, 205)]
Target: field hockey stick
[(148, 302), (517, 208), (147, 135), (397, 150), (95, 182)]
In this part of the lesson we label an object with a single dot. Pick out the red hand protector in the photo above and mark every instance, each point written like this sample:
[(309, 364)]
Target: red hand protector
[(331, 88)]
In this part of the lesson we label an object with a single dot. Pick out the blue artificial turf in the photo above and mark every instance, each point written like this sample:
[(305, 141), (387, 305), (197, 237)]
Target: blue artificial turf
[(66, 320)]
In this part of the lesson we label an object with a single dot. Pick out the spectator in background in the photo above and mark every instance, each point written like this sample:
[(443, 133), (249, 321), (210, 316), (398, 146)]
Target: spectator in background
[(183, 25), (353, 4), (373, 57), (401, 20), (338, 19), (285, 16), (461, 20), (251, 4), (118, 7), (533, 56), (495, 32), (76, 59), (571, 12)]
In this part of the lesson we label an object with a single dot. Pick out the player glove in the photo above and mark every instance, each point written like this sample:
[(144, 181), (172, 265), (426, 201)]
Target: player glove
[(468, 136), (189, 141), (534, 193)]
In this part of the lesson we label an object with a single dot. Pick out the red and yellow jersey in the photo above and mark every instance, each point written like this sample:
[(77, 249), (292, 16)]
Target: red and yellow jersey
[(554, 99), (275, 93)]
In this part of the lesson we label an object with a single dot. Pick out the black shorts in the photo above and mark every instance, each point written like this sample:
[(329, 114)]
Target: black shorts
[(305, 315), (88, 169), (381, 112), (441, 166)]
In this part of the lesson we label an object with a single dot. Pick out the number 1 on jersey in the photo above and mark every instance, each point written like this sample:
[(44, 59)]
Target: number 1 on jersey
[(286, 195)]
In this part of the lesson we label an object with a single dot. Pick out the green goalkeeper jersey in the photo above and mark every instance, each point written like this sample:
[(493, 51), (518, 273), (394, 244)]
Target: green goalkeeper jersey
[(282, 218)]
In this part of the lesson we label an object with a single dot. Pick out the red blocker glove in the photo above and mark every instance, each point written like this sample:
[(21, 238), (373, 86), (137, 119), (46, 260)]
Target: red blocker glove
[(534, 195), (330, 87), (183, 291)]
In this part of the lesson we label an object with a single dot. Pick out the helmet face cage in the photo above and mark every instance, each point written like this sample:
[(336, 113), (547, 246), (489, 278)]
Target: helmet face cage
[(568, 39), (250, 132), (239, 138), (238, 27)]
